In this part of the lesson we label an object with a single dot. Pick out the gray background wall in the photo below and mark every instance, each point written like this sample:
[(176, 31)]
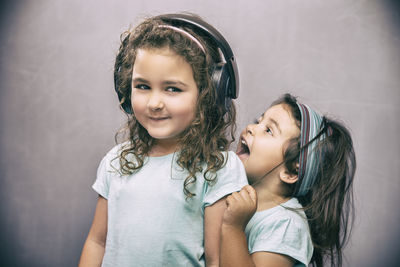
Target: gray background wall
[(58, 111)]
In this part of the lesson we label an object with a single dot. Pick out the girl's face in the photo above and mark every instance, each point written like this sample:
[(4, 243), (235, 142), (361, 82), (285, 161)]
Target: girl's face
[(164, 93), (261, 145)]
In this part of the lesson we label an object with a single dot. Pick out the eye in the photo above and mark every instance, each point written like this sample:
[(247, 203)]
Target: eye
[(142, 87), (268, 130), (173, 89)]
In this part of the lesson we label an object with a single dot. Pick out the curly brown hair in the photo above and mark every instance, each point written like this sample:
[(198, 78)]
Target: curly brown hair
[(211, 131)]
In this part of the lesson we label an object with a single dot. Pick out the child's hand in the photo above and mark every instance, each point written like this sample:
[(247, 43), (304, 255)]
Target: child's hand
[(240, 207)]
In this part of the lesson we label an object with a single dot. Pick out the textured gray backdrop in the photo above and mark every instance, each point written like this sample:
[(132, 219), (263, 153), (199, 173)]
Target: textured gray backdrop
[(58, 111)]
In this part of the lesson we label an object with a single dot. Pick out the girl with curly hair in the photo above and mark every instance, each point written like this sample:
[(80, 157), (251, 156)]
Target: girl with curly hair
[(297, 208), (162, 188)]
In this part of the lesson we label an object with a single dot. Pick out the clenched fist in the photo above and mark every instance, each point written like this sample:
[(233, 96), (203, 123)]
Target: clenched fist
[(240, 207)]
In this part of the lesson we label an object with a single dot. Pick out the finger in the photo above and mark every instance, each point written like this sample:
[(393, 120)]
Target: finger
[(245, 195), (236, 196), (229, 201), (252, 193)]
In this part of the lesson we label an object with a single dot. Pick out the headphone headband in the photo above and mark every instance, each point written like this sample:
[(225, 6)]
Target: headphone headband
[(217, 37)]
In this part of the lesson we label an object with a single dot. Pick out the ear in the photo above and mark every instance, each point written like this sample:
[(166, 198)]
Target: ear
[(287, 177)]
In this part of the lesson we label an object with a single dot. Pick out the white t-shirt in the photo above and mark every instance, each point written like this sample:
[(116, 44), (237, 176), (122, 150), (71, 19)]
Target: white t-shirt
[(283, 231), (150, 222)]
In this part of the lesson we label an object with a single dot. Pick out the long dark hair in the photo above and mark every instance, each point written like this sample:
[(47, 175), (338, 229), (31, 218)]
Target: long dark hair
[(329, 203), (212, 130)]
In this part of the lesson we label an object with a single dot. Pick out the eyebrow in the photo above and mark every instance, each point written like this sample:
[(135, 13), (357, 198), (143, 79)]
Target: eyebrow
[(139, 80), (276, 124), (170, 82), (175, 82)]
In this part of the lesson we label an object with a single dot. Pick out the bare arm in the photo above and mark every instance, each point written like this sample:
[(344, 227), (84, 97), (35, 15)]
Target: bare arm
[(234, 250), (212, 231), (93, 249)]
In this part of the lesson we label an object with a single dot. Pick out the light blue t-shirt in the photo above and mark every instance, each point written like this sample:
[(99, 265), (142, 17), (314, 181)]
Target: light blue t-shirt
[(150, 222), (283, 231)]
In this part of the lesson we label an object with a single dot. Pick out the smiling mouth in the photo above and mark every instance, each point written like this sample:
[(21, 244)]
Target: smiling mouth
[(243, 150), (158, 118)]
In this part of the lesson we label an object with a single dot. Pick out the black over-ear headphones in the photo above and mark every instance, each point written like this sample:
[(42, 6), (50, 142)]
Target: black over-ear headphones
[(224, 75)]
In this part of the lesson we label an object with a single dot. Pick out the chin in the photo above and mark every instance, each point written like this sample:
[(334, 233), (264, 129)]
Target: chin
[(163, 136), (159, 134)]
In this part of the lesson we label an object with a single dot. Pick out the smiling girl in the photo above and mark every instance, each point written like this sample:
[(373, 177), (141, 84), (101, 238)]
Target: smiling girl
[(161, 191)]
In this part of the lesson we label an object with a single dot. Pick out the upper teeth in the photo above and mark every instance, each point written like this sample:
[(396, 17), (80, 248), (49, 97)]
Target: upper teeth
[(244, 142)]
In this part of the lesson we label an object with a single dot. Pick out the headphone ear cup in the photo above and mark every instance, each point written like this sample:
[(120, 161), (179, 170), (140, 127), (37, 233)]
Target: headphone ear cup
[(126, 105), (221, 81)]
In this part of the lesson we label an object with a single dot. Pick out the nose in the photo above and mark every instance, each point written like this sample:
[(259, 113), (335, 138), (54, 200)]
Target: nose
[(250, 129), (155, 101)]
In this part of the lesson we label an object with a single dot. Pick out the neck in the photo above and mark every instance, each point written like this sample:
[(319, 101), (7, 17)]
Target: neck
[(270, 193), (163, 147)]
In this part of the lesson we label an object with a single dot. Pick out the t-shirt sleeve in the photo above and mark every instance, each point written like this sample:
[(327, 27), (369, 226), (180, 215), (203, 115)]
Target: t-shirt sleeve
[(230, 178), (102, 183), (285, 236)]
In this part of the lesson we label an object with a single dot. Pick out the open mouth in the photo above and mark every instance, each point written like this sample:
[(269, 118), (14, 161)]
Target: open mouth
[(243, 150)]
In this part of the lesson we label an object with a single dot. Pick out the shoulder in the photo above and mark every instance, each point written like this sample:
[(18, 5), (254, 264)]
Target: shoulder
[(288, 215), (116, 150), (281, 230), (231, 166), (232, 170), (113, 152), (230, 178), (231, 161), (111, 158)]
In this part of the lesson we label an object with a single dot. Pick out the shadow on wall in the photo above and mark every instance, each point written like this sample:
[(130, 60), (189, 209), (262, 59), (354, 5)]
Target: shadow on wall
[(393, 13), (8, 248), (8, 11)]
